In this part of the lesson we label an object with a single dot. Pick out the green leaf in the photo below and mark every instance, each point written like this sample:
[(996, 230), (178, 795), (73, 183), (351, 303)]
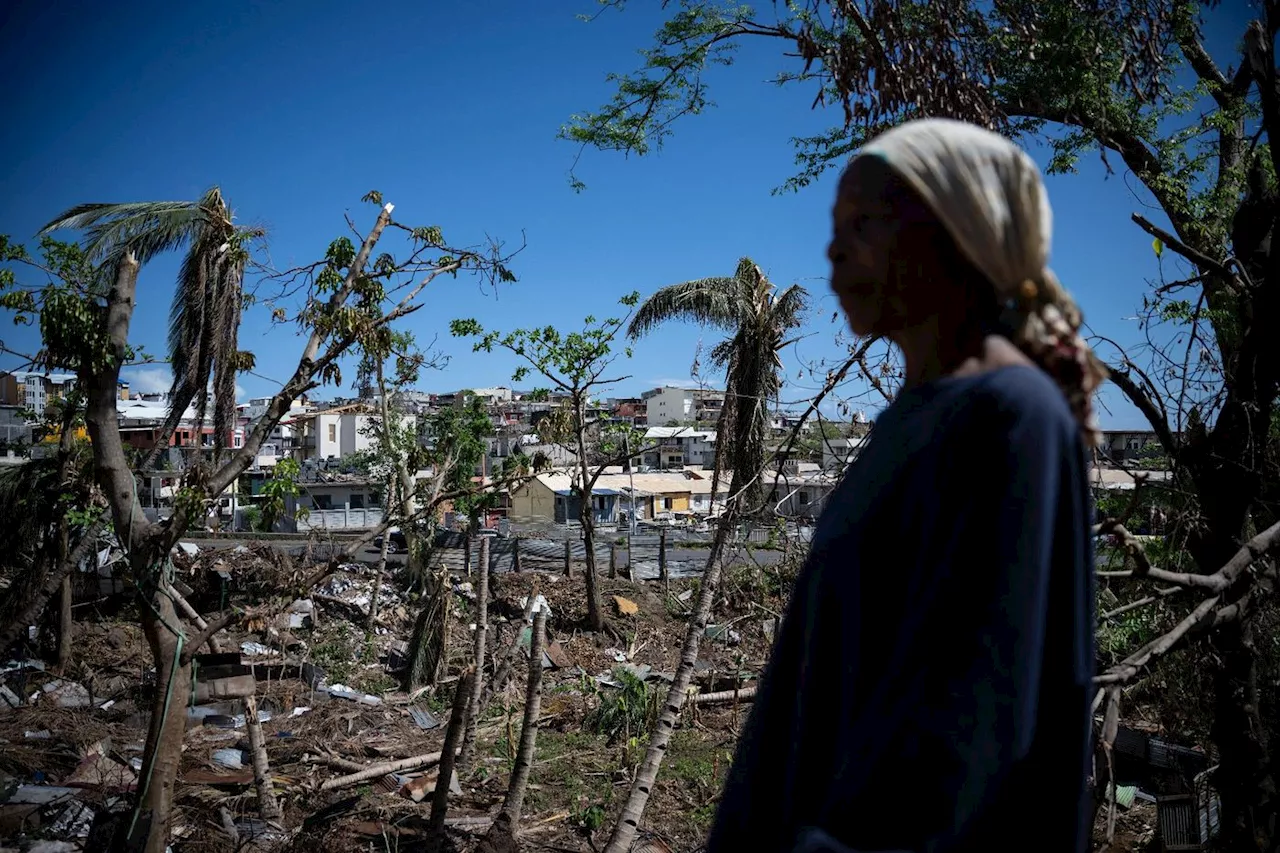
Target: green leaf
[(1157, 246)]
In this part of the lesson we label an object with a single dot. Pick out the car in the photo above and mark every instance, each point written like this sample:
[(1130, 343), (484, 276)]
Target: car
[(396, 541)]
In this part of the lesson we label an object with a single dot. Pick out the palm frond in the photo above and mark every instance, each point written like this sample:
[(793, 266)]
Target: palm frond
[(145, 228), (204, 317), (789, 308), (709, 301), (722, 352)]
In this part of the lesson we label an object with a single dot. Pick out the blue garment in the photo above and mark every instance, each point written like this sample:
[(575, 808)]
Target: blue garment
[(930, 684)]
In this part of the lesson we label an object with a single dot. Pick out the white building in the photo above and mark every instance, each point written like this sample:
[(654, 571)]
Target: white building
[(338, 432), (676, 447), (839, 452), (670, 403)]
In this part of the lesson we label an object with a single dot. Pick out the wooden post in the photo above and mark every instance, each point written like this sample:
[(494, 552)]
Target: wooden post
[(515, 555), (631, 561), (613, 559), (466, 555), (568, 558), (662, 555)]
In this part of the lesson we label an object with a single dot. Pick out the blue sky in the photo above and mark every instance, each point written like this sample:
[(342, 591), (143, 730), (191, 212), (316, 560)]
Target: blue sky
[(296, 109)]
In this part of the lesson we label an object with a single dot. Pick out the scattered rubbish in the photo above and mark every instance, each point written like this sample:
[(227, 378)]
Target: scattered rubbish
[(299, 711), (626, 607), (1124, 794), (420, 788), (8, 699), (723, 633), (40, 795), (74, 821), (301, 614), (423, 718), (53, 847), (640, 671), (559, 659), (43, 734), (465, 589), (189, 548), (230, 757), (342, 691), (540, 605), (67, 694), (686, 595), (249, 647), (618, 656), (99, 772)]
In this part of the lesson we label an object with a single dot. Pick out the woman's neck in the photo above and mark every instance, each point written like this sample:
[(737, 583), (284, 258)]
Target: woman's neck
[(930, 352)]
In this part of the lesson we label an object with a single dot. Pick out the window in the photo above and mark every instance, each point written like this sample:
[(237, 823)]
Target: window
[(666, 503), (333, 432), (802, 498), (323, 501), (357, 501), (237, 440)]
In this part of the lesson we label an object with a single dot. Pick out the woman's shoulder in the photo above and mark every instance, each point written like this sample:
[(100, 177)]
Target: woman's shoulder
[(1022, 398)]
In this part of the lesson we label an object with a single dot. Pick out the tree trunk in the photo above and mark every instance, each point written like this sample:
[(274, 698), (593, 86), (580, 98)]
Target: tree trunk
[(1244, 778), (428, 644), (506, 826), (268, 805), (25, 614), (481, 641), (502, 671), (382, 560), (163, 753), (453, 733), (65, 623), (633, 809), (624, 831)]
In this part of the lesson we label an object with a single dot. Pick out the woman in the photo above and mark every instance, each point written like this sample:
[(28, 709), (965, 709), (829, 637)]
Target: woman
[(929, 690)]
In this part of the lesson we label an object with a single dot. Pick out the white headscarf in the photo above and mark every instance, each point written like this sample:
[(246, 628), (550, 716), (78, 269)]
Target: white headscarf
[(984, 189), (989, 196)]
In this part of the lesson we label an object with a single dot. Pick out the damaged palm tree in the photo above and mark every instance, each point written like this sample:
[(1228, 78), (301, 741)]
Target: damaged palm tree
[(350, 296), (758, 318)]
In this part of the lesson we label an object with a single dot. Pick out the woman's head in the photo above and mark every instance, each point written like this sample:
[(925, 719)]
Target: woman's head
[(940, 219)]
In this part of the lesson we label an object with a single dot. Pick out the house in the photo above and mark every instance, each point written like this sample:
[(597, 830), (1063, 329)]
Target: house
[(338, 431), (141, 422), (1120, 447), (670, 404), (799, 489), (33, 390), (676, 447), (550, 497), (837, 453), (340, 504)]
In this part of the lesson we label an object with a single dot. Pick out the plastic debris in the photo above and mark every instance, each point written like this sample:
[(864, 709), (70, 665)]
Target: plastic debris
[(230, 757), (189, 548), (342, 691), (539, 605)]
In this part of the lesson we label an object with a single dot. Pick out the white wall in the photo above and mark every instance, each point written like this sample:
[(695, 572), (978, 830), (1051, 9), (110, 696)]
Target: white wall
[(669, 404)]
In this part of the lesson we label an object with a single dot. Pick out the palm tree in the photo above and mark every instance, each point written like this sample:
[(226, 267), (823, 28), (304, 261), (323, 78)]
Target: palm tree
[(759, 317), (205, 314)]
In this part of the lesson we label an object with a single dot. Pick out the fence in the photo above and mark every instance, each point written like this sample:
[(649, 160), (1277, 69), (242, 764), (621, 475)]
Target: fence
[(678, 553)]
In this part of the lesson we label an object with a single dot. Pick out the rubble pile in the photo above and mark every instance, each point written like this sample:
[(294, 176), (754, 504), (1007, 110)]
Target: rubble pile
[(352, 759)]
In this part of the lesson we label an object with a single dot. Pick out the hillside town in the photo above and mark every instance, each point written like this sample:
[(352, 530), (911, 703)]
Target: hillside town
[(667, 483)]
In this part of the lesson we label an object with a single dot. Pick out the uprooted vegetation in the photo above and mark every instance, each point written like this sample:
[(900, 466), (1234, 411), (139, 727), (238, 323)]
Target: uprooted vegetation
[(324, 684)]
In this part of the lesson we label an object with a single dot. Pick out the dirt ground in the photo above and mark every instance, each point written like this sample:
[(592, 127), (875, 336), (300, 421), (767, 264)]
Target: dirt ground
[(589, 743), (591, 736)]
